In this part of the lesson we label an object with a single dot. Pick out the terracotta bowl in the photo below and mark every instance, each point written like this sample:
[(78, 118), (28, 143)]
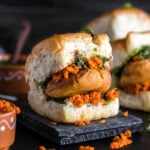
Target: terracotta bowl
[(12, 78), (7, 129)]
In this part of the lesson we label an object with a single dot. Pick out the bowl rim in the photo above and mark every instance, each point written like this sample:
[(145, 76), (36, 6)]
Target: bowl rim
[(7, 57), (9, 113)]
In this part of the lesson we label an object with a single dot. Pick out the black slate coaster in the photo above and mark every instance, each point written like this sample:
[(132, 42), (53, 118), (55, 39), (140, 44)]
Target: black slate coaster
[(69, 133)]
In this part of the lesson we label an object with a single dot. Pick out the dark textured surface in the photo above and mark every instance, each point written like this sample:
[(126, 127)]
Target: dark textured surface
[(69, 133)]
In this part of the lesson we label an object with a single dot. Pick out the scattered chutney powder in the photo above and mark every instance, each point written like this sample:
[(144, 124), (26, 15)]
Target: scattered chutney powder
[(122, 140), (82, 123), (86, 147), (125, 114), (103, 121), (44, 148), (41, 147)]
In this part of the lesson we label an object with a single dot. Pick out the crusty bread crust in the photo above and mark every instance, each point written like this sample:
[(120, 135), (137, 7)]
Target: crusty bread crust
[(119, 53), (117, 23)]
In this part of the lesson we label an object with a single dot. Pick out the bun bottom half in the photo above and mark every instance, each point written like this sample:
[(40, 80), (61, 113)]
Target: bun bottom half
[(137, 102), (68, 112)]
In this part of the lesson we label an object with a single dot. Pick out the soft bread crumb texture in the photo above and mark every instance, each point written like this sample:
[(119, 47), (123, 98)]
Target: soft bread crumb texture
[(137, 102), (69, 113)]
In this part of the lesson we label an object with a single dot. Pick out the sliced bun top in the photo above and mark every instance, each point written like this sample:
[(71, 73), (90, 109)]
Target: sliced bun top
[(57, 52), (137, 39), (119, 22), (121, 48)]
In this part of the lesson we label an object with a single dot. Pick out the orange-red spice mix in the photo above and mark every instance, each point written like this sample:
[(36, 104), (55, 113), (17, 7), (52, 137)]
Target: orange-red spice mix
[(6, 106), (93, 97), (103, 121), (122, 140), (82, 123), (86, 147), (125, 114), (42, 147), (112, 94)]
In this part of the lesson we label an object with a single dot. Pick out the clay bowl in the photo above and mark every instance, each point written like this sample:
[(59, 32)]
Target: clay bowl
[(7, 129), (12, 76)]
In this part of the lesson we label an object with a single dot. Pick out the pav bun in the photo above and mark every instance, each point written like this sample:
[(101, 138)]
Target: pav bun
[(133, 78), (119, 22), (50, 58)]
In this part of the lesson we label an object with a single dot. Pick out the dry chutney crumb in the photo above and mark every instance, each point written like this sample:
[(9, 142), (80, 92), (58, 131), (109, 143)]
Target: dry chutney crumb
[(6, 106), (103, 121), (122, 140), (92, 63), (86, 147), (82, 123), (42, 147), (112, 94), (125, 114), (93, 97)]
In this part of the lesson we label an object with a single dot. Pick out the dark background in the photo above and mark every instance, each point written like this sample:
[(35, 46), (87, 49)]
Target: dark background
[(48, 17)]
